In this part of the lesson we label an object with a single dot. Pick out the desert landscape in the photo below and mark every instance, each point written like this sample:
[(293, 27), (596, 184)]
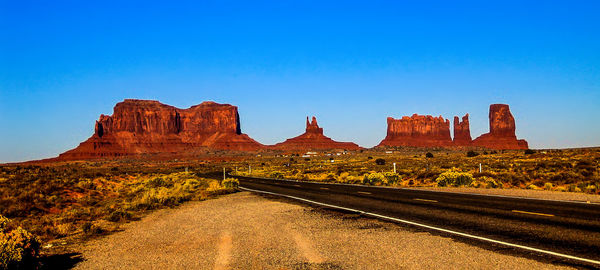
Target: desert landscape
[(299, 135), (148, 156)]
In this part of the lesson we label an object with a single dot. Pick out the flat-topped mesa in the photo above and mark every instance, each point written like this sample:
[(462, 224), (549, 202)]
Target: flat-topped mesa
[(418, 131), (148, 126), (462, 132), (313, 139), (502, 130)]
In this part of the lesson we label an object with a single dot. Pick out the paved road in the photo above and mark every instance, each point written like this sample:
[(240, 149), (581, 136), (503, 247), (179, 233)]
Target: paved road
[(563, 227)]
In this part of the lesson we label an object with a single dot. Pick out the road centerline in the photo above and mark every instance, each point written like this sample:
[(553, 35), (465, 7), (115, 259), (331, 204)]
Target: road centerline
[(364, 192), (532, 213), (425, 200)]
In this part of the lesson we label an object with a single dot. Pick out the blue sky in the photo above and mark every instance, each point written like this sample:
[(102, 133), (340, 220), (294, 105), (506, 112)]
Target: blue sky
[(352, 64)]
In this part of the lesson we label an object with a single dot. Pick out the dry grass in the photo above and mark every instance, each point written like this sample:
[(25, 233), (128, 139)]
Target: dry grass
[(73, 202)]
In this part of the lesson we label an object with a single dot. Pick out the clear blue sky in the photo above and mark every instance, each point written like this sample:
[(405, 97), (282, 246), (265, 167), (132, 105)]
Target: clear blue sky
[(352, 64)]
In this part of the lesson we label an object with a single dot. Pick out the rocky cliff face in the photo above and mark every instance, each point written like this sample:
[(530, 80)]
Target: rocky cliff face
[(462, 132), (146, 126), (428, 131), (313, 139), (502, 130), (417, 130)]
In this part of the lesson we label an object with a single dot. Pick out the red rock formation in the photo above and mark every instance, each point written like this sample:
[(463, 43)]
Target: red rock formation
[(417, 130), (462, 132), (313, 139), (146, 126), (502, 130)]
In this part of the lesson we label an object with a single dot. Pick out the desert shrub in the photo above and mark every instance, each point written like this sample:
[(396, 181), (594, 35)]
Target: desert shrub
[(374, 179), (86, 184), (158, 182), (230, 183), (118, 215), (380, 161), (90, 229), (529, 152), (276, 175), (585, 168), (343, 177), (532, 186), (590, 189), (567, 177), (18, 248), (472, 154), (574, 188), (515, 179), (429, 155), (475, 184), (391, 177), (454, 178), (491, 182)]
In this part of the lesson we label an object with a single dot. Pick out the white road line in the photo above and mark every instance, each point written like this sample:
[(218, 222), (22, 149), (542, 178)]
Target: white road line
[(424, 200), (364, 192), (296, 185), (533, 213), (434, 228), (324, 188)]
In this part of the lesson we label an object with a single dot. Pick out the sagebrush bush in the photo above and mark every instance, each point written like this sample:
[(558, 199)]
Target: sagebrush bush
[(491, 182), (391, 177), (18, 248), (454, 178), (230, 183), (374, 179), (276, 175)]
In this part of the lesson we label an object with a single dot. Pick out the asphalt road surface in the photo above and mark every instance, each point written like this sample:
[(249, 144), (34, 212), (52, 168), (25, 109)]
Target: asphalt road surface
[(564, 228)]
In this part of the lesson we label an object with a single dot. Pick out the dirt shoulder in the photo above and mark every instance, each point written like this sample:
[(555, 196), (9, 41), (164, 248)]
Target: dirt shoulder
[(526, 193), (247, 231)]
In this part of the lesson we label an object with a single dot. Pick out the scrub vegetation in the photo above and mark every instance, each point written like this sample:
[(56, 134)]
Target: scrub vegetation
[(572, 170), (52, 205), (60, 204)]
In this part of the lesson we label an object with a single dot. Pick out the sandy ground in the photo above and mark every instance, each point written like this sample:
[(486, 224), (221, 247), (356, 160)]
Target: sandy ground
[(247, 231), (527, 193)]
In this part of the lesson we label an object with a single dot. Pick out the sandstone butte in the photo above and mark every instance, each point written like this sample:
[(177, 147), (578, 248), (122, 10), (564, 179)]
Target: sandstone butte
[(429, 131), (502, 130), (147, 126), (418, 130), (313, 139)]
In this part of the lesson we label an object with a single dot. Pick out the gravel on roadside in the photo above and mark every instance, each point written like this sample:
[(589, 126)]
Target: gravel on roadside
[(247, 231)]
